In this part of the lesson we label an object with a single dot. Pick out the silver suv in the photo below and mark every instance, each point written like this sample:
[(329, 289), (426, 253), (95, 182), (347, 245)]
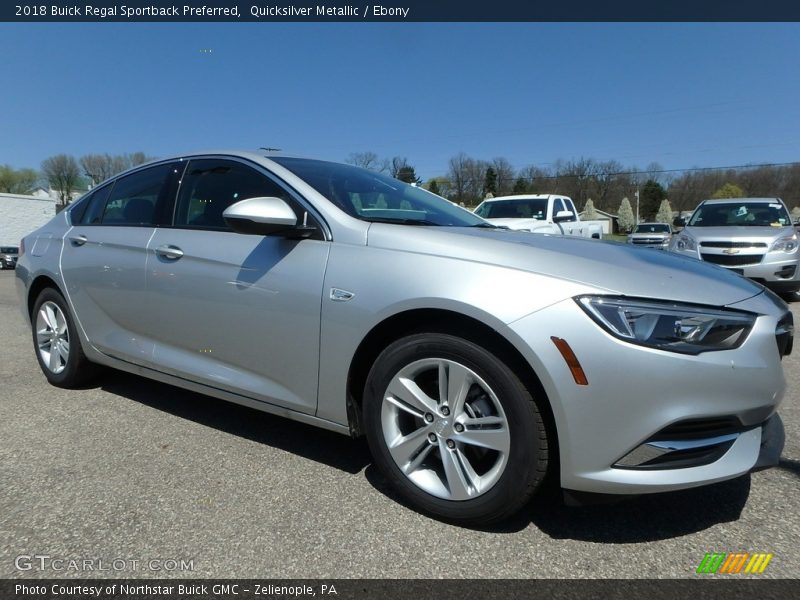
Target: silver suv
[(8, 257), (750, 236)]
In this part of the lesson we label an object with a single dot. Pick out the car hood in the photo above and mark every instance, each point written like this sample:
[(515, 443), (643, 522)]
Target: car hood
[(518, 223), (738, 233), (613, 267)]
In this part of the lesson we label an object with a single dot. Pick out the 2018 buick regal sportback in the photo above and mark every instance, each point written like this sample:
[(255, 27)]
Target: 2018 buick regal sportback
[(475, 359)]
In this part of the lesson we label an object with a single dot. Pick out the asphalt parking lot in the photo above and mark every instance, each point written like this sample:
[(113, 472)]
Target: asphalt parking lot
[(138, 471)]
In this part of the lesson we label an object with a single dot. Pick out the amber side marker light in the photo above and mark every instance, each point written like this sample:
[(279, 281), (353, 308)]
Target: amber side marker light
[(572, 361)]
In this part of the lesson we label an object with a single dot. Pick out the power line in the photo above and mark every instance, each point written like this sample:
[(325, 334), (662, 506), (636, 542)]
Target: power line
[(649, 171)]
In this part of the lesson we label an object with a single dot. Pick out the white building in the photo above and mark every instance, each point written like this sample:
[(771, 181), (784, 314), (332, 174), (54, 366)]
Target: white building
[(19, 215)]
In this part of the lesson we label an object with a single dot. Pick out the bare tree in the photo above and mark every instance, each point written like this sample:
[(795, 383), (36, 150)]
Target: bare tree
[(96, 167), (398, 163), (505, 175), (368, 160), (61, 172)]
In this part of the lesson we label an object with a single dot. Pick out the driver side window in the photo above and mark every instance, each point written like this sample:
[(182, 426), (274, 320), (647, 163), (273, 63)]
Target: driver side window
[(209, 186)]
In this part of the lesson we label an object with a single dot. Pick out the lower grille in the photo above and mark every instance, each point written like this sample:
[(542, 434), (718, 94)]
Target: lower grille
[(732, 260), (689, 443)]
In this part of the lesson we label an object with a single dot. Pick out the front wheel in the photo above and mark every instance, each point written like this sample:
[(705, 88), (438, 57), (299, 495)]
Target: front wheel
[(454, 429), (55, 339)]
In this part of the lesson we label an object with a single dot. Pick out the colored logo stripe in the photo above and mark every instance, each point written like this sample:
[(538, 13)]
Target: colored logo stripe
[(721, 562)]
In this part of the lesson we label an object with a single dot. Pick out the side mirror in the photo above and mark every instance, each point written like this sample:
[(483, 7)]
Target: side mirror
[(563, 215), (679, 222), (264, 216)]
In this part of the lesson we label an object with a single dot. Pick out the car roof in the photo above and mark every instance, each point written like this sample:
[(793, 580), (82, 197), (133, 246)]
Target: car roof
[(525, 197), (737, 200)]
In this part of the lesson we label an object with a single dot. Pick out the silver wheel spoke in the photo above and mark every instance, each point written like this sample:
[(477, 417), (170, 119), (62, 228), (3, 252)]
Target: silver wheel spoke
[(43, 338), (55, 358), (413, 399), (458, 384), (457, 481), (61, 323), (417, 461), (50, 317), (406, 448), (493, 439), (64, 348)]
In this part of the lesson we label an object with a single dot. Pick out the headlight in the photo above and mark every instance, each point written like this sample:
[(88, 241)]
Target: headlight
[(787, 244), (684, 242), (669, 326)]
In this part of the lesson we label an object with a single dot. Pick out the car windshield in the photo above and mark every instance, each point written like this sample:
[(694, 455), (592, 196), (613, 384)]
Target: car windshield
[(9, 250), (529, 208), (375, 197), (652, 228), (729, 214)]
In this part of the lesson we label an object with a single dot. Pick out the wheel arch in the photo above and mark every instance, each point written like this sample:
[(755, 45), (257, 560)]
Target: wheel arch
[(40, 283), (443, 321)]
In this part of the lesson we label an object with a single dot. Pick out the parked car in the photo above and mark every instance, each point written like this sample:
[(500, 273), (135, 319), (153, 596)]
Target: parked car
[(543, 213), (750, 236), (8, 257), (476, 360), (651, 235)]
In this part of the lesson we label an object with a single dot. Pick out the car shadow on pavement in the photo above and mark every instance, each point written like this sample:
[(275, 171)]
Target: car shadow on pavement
[(791, 465), (326, 447), (648, 517), (631, 520)]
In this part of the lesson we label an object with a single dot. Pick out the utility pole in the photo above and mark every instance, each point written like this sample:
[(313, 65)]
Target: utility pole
[(637, 204)]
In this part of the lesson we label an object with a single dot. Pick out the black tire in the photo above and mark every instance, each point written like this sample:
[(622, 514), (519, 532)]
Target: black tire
[(77, 369), (527, 450)]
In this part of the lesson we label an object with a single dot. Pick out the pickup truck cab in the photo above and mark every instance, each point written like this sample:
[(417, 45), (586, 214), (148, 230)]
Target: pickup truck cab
[(751, 236), (542, 213)]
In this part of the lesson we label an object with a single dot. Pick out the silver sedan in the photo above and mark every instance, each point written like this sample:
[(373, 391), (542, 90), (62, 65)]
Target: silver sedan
[(476, 360)]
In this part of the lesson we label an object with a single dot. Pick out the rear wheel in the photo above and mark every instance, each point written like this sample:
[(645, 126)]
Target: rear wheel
[(454, 429), (55, 339)]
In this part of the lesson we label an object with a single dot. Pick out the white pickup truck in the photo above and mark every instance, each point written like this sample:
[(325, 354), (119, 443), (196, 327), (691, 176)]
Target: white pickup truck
[(542, 213)]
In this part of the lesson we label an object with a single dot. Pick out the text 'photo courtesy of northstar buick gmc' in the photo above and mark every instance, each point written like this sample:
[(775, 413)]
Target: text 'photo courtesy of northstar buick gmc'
[(475, 359)]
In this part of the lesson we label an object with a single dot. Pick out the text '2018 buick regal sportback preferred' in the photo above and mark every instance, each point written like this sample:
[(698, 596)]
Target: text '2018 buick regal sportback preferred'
[(476, 360)]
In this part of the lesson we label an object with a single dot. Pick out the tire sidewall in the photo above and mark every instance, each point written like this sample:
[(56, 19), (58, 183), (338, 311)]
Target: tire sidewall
[(524, 467)]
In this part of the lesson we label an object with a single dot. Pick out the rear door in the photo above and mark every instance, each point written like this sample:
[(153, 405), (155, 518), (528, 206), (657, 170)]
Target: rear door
[(103, 261), (237, 312)]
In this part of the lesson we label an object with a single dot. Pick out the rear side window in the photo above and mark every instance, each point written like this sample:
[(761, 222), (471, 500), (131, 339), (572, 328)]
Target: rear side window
[(92, 207), (209, 186), (134, 197)]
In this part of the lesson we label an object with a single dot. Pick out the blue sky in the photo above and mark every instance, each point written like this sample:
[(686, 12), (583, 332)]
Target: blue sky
[(681, 95)]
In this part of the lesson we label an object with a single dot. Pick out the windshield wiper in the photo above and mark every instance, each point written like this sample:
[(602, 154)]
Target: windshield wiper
[(487, 226), (399, 221)]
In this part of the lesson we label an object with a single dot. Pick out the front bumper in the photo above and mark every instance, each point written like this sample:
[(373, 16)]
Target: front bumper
[(635, 393), (778, 271)]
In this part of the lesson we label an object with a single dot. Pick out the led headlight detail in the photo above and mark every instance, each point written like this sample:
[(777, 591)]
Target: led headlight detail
[(787, 244), (682, 328), (684, 242)]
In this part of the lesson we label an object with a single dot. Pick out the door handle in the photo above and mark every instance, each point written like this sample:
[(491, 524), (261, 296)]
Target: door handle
[(170, 252), (78, 240)]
